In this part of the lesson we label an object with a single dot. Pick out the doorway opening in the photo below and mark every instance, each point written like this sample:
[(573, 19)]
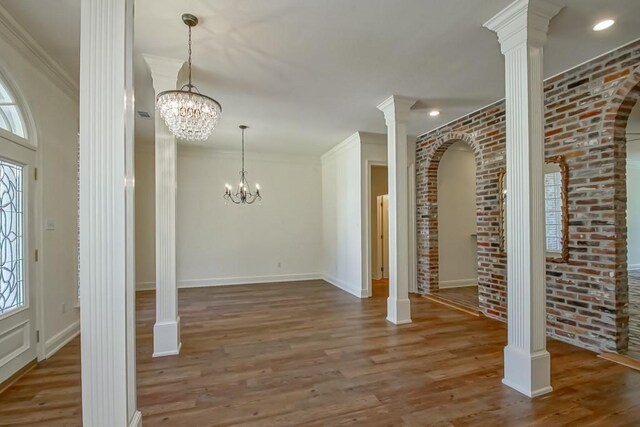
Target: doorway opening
[(379, 233), (633, 228), (457, 230)]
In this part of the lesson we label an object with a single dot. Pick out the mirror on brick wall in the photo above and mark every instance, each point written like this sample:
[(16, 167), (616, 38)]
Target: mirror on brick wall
[(556, 184)]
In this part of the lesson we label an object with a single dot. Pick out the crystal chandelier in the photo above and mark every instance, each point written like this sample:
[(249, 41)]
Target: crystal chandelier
[(188, 114), (243, 194)]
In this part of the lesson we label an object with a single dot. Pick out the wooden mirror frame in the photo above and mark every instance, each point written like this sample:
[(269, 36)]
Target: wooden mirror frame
[(564, 174)]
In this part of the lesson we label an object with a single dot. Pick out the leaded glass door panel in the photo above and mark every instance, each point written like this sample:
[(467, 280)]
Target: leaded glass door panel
[(17, 305)]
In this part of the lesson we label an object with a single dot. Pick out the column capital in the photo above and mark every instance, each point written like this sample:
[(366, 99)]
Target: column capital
[(164, 71), (396, 109), (523, 21)]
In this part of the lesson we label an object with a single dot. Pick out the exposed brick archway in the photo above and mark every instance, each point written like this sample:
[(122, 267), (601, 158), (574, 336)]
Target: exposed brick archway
[(491, 286), (615, 124), (429, 282)]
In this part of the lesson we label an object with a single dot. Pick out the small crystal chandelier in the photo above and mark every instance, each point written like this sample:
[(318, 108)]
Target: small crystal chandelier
[(188, 114), (243, 195)]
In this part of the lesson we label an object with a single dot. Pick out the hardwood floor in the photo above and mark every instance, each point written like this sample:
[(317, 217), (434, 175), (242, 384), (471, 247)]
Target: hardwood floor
[(380, 288), (466, 296), (308, 353)]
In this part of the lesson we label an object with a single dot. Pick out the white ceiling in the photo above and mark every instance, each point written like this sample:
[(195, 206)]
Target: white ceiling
[(305, 75)]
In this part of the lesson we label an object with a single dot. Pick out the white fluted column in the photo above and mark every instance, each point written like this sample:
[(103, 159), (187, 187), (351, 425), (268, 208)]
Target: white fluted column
[(107, 288), (522, 31), (396, 113), (166, 331)]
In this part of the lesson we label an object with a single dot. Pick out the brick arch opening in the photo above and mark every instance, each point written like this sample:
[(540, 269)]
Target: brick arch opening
[(621, 106), (428, 247)]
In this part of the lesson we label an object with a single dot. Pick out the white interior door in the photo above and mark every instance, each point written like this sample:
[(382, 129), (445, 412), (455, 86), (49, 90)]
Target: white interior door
[(17, 293), (383, 235)]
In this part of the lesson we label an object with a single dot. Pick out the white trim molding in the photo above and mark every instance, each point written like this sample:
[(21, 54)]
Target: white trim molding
[(359, 293), (248, 280), (107, 317), (15, 34), (235, 281), (522, 31), (164, 76), (396, 111), (136, 420), (145, 286), (61, 339), (460, 283), (353, 139)]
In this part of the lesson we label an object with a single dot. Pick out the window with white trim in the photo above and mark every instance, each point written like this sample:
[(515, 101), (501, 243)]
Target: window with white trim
[(553, 210), (10, 115)]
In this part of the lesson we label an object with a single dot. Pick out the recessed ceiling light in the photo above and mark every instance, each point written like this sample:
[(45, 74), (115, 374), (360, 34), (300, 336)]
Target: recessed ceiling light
[(434, 113), (603, 25)]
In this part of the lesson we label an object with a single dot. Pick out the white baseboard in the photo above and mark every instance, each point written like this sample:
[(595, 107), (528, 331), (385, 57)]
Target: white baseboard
[(251, 280), (458, 283), (145, 286), (136, 420), (360, 293), (233, 281), (59, 340)]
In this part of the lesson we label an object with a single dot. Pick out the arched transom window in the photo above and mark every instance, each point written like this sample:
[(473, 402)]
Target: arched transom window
[(10, 116)]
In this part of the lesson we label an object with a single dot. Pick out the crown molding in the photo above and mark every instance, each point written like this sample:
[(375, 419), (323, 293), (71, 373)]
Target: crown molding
[(354, 138), (18, 37), (372, 138)]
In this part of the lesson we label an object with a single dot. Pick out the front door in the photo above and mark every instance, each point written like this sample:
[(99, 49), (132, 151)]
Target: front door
[(17, 296)]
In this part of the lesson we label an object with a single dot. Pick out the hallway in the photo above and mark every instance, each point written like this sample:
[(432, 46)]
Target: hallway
[(308, 353)]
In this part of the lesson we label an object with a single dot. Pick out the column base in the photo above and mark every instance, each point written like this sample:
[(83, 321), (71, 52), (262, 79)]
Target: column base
[(136, 420), (398, 311), (528, 373), (166, 338)]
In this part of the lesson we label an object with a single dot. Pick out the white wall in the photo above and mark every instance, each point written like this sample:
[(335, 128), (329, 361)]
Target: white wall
[(341, 219), (53, 106), (345, 206), (145, 216), (633, 189), (220, 244), (458, 258)]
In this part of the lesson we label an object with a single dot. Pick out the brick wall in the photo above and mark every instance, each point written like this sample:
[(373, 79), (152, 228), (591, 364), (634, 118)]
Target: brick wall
[(586, 112)]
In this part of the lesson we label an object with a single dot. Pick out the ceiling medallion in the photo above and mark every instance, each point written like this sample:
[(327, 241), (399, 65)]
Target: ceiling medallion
[(188, 114), (243, 194)]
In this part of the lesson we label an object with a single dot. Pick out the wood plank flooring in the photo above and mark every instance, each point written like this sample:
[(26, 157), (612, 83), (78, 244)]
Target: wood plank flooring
[(309, 354), (466, 296)]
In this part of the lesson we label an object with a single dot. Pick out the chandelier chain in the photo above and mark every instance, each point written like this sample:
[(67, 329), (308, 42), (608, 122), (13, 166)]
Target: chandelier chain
[(242, 152), (190, 85)]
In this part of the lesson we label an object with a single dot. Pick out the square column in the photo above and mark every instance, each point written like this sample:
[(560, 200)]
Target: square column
[(396, 113), (166, 331), (522, 31), (107, 258)]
